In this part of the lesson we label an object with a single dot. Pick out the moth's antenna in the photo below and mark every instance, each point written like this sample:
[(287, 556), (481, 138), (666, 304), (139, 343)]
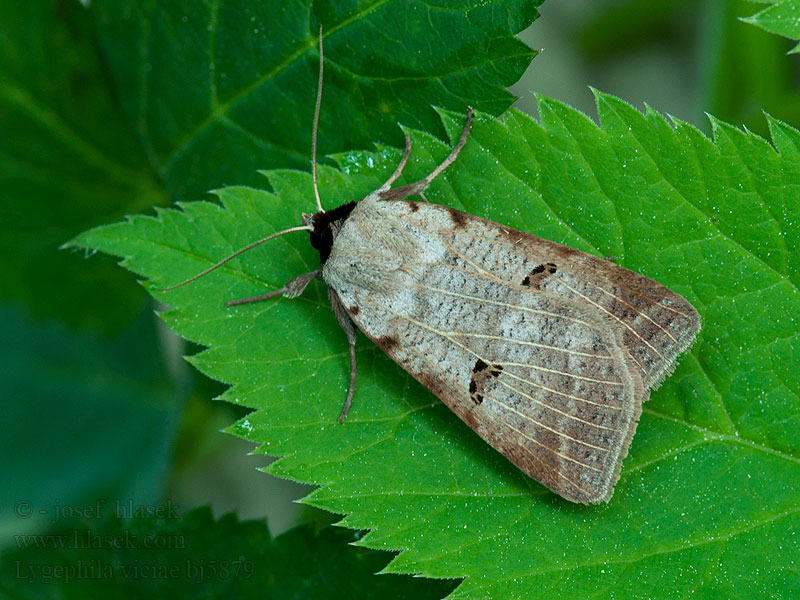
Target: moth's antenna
[(316, 126), (235, 254)]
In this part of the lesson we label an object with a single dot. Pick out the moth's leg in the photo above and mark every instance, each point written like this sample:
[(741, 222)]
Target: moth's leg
[(453, 154), (418, 187), (350, 332), (291, 289), (399, 170)]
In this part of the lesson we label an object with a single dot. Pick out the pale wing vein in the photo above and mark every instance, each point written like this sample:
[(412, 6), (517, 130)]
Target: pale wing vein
[(484, 359), (543, 426), (526, 343), (490, 275), (565, 457), (564, 373), (477, 267), (532, 399), (644, 314), (541, 462), (512, 307), (605, 310)]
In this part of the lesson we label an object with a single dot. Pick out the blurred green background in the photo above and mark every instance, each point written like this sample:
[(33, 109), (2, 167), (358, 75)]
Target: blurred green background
[(99, 402)]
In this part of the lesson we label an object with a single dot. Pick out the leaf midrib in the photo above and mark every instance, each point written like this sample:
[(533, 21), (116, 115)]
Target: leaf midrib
[(40, 113), (222, 109)]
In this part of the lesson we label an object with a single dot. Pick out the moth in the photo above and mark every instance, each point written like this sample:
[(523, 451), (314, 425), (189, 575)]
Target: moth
[(545, 351)]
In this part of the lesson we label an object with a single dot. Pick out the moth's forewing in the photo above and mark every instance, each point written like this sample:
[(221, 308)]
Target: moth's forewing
[(656, 324), (531, 343)]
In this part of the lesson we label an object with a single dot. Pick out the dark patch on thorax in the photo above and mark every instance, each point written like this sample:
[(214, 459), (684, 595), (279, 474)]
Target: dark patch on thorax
[(326, 224)]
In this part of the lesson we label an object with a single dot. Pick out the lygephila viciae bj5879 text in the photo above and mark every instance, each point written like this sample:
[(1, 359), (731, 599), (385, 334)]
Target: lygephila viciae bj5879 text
[(545, 351)]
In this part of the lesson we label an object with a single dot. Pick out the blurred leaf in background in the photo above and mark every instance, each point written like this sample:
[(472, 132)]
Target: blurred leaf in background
[(219, 90), (684, 58), (175, 556), (85, 417), (68, 160), (90, 406)]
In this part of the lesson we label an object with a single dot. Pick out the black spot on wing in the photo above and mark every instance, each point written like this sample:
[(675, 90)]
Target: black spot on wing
[(354, 310), (537, 274), (481, 374)]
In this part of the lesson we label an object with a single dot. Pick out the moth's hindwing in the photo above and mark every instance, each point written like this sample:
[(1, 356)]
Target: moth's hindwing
[(546, 352)]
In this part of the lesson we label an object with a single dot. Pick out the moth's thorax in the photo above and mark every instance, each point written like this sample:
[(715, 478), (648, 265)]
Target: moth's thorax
[(326, 225), (378, 247)]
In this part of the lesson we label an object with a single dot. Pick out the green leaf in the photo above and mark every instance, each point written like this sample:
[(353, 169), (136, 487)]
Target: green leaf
[(709, 496), (221, 89), (177, 557), (781, 17), (79, 412), (68, 161)]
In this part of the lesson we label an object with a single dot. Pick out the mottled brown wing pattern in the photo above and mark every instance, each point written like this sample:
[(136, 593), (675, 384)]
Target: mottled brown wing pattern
[(656, 323), (562, 413), (467, 307)]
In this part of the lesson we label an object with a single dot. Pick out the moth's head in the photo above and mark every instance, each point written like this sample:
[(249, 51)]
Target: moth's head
[(325, 226)]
